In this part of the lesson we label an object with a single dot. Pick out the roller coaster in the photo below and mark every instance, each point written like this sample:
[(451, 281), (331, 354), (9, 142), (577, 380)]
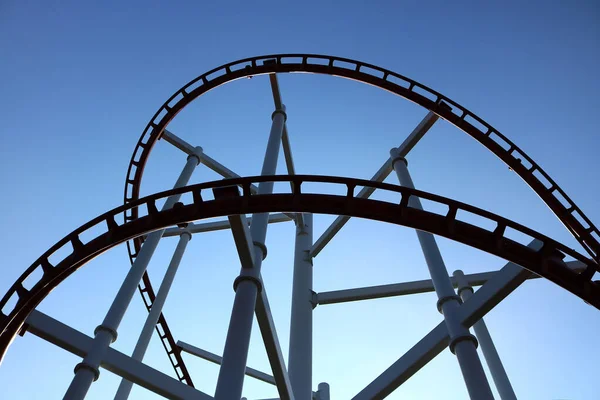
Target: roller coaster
[(144, 224)]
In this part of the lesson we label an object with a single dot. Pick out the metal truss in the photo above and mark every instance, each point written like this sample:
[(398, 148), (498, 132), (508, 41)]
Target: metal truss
[(546, 262), (440, 106), (144, 225)]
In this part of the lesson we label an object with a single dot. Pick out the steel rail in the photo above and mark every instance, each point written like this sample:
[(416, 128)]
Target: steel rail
[(546, 262), (569, 214), (576, 222)]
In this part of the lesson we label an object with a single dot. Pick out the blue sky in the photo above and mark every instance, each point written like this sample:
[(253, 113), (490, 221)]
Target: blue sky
[(78, 83)]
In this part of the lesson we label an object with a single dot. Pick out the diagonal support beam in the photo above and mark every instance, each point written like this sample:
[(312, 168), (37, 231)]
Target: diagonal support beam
[(274, 353), (379, 176), (207, 160), (69, 339), (285, 138), (244, 245), (413, 287), (504, 282), (208, 356)]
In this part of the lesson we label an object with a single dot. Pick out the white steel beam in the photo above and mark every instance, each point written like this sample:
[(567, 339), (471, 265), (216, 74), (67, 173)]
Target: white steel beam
[(157, 306), (504, 282), (75, 342), (413, 287), (300, 360), (208, 356), (176, 141), (379, 176), (285, 138), (492, 358), (244, 244), (86, 372), (219, 225), (462, 343), (250, 290), (207, 160), (266, 324)]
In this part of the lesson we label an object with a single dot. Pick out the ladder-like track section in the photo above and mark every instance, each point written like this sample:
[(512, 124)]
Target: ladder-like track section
[(29, 290)]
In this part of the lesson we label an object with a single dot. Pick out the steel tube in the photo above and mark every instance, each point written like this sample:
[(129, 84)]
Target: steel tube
[(462, 343), (300, 351), (484, 338), (77, 343), (235, 354), (381, 174), (157, 306), (87, 371), (323, 392)]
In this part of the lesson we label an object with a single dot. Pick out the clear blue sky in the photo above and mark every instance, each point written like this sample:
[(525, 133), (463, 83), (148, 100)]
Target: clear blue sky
[(79, 81)]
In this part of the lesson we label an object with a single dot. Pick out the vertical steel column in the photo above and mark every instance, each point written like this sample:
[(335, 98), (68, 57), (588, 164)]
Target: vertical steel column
[(247, 284), (323, 391), (157, 306), (462, 343), (300, 355), (87, 371), (465, 291)]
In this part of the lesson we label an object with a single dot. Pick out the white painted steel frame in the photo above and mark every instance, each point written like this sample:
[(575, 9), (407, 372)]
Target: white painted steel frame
[(248, 286), (500, 285), (301, 321), (157, 306), (484, 338), (75, 342), (250, 292), (87, 371), (462, 343), (383, 172), (244, 244), (219, 225), (208, 356), (413, 287)]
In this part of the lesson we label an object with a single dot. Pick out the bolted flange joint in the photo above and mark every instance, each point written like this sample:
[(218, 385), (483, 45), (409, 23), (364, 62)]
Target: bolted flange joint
[(262, 248), (113, 333), (396, 157), (197, 154), (247, 274), (83, 365), (280, 111), (461, 338), (186, 232), (444, 299), (461, 289)]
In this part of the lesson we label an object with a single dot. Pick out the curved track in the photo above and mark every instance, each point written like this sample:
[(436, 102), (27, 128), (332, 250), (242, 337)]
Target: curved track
[(546, 262), (556, 199), (578, 224)]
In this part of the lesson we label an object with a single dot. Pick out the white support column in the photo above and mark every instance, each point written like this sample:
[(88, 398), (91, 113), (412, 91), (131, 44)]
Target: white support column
[(157, 306), (300, 352), (465, 291), (213, 358), (379, 176), (247, 284), (323, 391), (462, 343), (500, 285), (77, 343), (87, 371)]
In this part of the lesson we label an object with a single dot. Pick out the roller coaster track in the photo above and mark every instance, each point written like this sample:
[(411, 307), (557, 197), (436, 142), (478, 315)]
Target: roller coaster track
[(576, 222), (547, 262)]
